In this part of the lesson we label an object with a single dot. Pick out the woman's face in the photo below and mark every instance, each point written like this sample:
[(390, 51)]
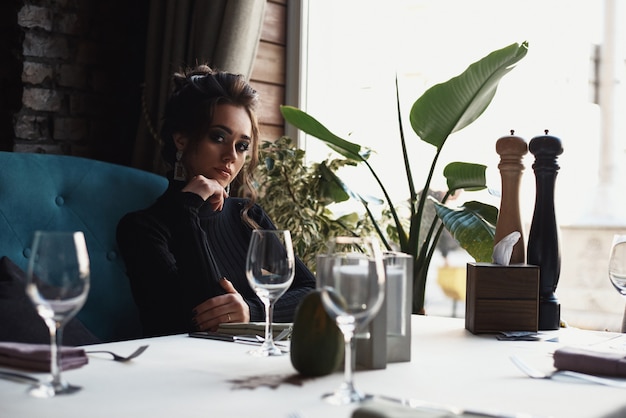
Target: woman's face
[(221, 154)]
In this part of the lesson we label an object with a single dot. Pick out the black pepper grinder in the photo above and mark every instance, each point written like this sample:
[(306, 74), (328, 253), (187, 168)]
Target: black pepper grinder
[(543, 240)]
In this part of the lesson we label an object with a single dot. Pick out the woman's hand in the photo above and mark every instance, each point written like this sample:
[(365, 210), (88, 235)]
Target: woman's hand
[(224, 308), (209, 190)]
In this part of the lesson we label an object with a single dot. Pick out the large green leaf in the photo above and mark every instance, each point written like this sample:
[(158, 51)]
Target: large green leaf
[(448, 107), (472, 226), (465, 176), (341, 189), (308, 124), (331, 189)]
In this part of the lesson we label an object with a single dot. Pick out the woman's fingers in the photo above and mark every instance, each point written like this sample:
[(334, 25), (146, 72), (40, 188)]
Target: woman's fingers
[(209, 190), (229, 307), (227, 285)]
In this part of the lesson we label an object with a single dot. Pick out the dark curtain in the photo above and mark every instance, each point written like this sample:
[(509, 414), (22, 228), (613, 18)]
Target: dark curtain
[(222, 33)]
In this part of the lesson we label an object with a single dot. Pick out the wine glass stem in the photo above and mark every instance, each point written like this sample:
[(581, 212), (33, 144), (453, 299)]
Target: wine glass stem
[(56, 338), (269, 318), (350, 348)]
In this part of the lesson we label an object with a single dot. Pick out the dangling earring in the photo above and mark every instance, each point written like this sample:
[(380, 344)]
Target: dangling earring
[(179, 169)]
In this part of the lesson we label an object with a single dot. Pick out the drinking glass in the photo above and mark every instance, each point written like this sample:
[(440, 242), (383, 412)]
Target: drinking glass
[(617, 263), (270, 267), (57, 283), (352, 282)]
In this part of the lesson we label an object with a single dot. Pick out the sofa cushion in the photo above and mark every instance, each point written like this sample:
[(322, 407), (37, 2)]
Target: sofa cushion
[(19, 318)]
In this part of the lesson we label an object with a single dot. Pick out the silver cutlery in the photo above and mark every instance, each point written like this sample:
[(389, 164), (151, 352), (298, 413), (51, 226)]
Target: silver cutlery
[(449, 410), (284, 334), (257, 340), (536, 374), (18, 377), (117, 357)]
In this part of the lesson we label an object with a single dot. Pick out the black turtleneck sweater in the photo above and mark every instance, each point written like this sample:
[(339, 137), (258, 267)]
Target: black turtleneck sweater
[(168, 247)]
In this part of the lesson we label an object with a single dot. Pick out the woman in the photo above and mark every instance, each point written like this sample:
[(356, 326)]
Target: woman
[(185, 255)]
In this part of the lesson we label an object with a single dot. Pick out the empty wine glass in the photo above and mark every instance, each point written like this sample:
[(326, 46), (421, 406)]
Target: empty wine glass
[(57, 284), (352, 281), (617, 263), (270, 267)]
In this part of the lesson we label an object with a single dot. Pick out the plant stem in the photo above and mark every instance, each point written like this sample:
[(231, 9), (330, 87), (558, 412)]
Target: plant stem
[(376, 226), (416, 220), (405, 156), (401, 234)]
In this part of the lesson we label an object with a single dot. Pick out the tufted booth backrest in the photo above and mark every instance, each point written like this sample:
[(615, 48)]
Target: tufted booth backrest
[(57, 192)]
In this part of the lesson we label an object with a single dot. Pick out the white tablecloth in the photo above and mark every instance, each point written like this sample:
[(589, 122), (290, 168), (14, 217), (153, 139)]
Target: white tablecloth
[(179, 376)]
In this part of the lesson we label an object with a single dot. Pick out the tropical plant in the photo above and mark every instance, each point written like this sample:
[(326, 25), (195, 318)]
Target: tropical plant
[(442, 110)]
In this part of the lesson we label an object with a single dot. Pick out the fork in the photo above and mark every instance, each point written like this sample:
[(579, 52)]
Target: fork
[(536, 374), (117, 357), (255, 338), (284, 334)]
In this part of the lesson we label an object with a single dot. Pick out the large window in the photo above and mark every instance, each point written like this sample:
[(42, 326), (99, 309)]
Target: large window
[(571, 83), (356, 47)]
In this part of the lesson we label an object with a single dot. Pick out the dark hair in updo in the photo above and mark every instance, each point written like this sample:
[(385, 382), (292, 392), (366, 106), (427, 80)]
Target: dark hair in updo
[(190, 109)]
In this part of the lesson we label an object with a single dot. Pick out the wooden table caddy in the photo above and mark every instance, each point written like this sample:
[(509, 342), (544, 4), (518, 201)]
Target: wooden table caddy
[(505, 297)]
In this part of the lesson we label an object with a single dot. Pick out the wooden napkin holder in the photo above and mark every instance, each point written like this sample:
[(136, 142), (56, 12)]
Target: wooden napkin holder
[(502, 298)]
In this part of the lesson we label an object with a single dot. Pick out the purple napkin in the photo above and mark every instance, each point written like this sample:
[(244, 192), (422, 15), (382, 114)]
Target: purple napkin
[(591, 362), (36, 357)]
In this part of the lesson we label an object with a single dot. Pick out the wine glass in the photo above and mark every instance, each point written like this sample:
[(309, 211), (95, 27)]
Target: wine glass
[(270, 267), (57, 283), (617, 263), (352, 281)]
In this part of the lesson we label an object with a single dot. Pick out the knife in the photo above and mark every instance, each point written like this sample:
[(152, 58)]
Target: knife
[(18, 377), (452, 410)]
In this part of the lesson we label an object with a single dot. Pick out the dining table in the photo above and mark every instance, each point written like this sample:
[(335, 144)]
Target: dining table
[(183, 376)]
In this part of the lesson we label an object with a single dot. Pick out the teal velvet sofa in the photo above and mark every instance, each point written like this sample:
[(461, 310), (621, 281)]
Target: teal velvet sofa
[(57, 192)]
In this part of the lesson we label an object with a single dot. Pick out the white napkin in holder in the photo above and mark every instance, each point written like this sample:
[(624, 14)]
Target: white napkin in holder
[(502, 296)]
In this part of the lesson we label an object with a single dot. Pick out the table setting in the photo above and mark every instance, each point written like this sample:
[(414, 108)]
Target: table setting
[(249, 369), (450, 367)]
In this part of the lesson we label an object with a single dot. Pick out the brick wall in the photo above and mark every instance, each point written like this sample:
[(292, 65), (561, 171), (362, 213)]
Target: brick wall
[(81, 67)]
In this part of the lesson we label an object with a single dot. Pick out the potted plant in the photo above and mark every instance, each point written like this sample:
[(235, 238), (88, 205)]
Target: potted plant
[(442, 110), (288, 187)]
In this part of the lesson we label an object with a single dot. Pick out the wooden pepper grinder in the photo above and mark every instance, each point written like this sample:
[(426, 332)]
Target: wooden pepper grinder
[(543, 240), (511, 150)]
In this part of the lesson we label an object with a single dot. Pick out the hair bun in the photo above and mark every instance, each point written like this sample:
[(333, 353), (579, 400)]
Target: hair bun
[(188, 76)]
